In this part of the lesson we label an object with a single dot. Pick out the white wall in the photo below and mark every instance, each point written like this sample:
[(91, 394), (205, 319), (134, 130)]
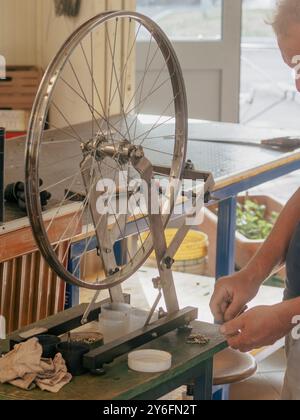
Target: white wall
[(18, 31), (31, 33)]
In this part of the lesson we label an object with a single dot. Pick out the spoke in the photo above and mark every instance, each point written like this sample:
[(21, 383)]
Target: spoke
[(77, 224), (93, 82), (66, 133), (89, 216), (115, 217), (127, 62), (112, 53), (154, 127), (127, 111), (135, 220), (49, 187), (64, 199), (91, 108), (163, 137), (67, 121), (111, 76), (84, 204), (57, 162), (110, 86), (138, 205), (83, 207), (145, 99), (94, 85), (132, 179), (137, 89), (94, 109), (158, 151), (90, 240), (142, 86), (123, 78)]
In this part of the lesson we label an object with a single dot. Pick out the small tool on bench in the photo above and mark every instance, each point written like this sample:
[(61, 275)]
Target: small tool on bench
[(15, 193), (282, 143), (285, 144)]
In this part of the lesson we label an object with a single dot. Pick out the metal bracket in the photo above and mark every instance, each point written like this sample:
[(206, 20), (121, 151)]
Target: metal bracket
[(109, 352), (100, 221), (192, 174), (145, 169)]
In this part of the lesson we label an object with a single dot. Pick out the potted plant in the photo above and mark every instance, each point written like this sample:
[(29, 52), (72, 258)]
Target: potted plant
[(256, 215)]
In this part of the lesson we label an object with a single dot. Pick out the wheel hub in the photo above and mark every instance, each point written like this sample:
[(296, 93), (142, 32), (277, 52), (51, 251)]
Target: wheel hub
[(121, 151)]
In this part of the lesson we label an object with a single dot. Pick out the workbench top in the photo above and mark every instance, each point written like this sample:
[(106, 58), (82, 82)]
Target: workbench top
[(120, 383), (239, 159)]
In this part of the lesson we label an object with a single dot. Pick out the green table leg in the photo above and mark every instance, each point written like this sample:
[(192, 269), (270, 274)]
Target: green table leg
[(204, 383)]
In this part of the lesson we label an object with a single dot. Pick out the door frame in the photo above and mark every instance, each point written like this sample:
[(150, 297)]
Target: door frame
[(223, 55)]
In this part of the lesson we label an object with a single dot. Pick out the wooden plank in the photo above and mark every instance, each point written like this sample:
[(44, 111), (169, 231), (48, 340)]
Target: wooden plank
[(24, 291), (18, 297), (32, 288), (42, 284), (59, 302), (8, 272), (20, 241), (1, 287)]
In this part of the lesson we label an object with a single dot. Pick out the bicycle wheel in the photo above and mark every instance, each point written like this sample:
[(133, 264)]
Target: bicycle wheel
[(78, 139)]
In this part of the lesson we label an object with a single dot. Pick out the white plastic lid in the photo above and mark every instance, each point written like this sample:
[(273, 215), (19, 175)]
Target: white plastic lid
[(149, 361)]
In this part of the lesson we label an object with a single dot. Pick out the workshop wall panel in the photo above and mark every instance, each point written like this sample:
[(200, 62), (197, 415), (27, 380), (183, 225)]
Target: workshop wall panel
[(29, 290), (53, 32), (18, 33)]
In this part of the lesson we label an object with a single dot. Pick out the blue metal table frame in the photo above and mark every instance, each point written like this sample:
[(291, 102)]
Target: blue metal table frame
[(226, 191), (225, 264)]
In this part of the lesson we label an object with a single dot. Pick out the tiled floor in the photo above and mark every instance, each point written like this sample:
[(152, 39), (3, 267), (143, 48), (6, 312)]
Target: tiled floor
[(266, 384)]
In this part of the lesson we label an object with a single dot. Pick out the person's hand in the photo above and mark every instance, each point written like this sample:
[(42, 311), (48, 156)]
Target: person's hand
[(259, 327), (231, 296)]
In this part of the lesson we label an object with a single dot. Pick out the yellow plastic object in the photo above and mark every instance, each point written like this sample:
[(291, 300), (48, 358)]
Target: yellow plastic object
[(193, 248)]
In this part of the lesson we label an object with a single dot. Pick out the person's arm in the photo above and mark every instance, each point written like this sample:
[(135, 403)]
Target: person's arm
[(272, 254), (234, 292)]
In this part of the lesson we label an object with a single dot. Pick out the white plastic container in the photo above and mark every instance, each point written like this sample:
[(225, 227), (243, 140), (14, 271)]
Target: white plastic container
[(114, 321), (137, 319), (115, 310), (111, 329), (149, 361)]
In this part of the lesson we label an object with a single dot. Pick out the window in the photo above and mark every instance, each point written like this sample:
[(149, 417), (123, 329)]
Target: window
[(256, 14), (186, 20)]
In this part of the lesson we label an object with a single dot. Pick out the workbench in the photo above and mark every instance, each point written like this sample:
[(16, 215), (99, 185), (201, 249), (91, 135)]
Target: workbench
[(238, 165), (191, 364), (233, 154)]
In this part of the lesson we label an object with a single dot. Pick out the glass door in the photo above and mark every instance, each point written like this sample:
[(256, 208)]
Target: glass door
[(207, 36)]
